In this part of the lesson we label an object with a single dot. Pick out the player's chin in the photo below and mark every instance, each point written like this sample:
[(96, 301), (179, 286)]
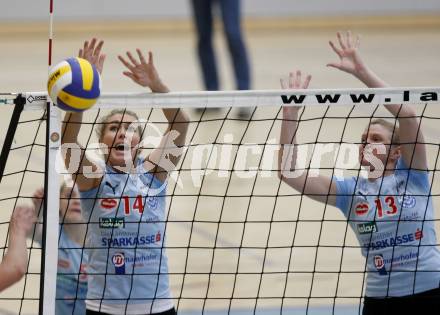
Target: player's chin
[(119, 160), (364, 162), (74, 218)]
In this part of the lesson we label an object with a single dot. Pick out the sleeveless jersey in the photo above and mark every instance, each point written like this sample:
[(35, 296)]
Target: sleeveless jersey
[(392, 219), (128, 267), (71, 277)]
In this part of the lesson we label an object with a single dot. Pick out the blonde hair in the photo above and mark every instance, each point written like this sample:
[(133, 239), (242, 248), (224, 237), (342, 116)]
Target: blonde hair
[(103, 121), (392, 127)]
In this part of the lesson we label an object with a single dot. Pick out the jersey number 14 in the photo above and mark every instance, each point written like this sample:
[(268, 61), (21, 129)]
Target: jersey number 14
[(138, 204)]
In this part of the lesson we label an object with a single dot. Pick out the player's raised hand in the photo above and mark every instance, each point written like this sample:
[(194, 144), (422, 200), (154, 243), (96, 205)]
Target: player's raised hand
[(347, 50), (22, 220), (294, 82), (37, 200), (91, 51), (143, 72)]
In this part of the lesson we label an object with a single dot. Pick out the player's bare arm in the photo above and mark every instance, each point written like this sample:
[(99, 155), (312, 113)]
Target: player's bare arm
[(411, 137), (91, 51), (318, 187), (144, 73)]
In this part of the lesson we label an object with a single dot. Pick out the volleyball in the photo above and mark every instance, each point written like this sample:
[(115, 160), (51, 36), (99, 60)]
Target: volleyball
[(74, 84)]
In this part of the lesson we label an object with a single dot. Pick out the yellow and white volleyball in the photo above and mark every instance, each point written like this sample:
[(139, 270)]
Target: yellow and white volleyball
[(74, 84)]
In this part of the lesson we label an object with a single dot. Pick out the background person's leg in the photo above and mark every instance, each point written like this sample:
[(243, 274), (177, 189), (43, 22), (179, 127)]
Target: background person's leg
[(231, 15), (202, 13)]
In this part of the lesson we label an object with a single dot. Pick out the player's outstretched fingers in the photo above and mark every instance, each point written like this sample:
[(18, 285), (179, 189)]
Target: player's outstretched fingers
[(349, 40), (298, 79), (132, 59), (126, 63), (306, 82), (341, 41), (141, 56)]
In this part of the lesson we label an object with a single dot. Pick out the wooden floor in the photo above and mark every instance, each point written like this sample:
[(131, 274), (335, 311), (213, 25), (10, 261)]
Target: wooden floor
[(403, 56)]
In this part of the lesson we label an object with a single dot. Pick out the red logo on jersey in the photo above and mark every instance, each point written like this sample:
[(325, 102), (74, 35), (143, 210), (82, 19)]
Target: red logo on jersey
[(418, 234), (362, 208), (109, 203), (379, 262), (118, 261)]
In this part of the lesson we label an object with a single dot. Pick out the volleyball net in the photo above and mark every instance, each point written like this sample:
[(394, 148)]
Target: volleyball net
[(238, 239)]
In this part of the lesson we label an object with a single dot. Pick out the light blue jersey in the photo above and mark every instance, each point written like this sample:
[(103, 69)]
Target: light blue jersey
[(128, 267), (71, 289), (392, 219), (71, 277)]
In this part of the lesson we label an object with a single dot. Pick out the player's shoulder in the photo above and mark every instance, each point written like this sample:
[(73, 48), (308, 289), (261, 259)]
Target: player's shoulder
[(410, 176), (345, 184)]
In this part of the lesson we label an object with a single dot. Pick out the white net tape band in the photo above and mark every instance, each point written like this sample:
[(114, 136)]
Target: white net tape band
[(311, 97)]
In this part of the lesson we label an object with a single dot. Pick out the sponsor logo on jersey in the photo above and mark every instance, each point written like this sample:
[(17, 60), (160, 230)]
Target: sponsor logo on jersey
[(408, 202), (404, 259), (141, 260), (118, 261), (124, 241), (418, 235), (152, 202), (154, 218), (379, 263), (401, 260), (361, 208), (395, 241), (367, 228), (62, 263), (110, 223), (109, 203), (412, 216)]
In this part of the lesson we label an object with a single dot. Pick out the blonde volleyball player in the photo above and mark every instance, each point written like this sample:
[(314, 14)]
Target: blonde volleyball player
[(391, 213), (14, 263), (72, 258), (128, 269)]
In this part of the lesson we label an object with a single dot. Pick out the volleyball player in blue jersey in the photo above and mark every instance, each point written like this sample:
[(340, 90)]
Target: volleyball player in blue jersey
[(71, 288), (124, 201), (391, 211)]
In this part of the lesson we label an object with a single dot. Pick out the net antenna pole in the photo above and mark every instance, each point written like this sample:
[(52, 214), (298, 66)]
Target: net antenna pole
[(19, 102), (50, 233)]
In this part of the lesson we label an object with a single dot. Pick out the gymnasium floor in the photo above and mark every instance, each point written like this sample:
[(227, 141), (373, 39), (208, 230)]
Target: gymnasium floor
[(403, 56)]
